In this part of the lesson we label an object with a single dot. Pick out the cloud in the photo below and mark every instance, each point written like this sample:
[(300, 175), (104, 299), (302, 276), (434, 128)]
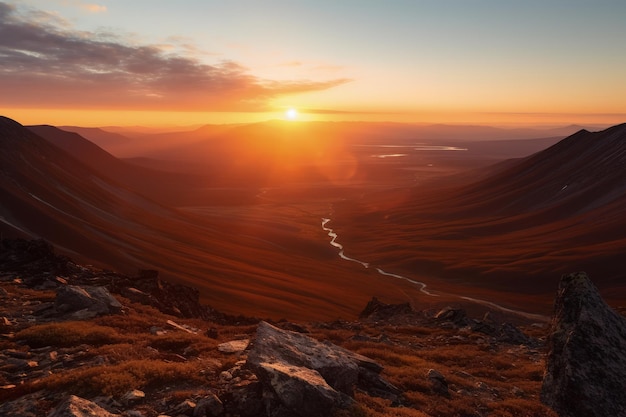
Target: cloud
[(44, 63), (87, 7), (93, 8), (290, 64)]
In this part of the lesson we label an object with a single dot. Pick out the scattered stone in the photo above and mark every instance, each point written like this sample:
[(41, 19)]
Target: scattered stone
[(133, 396), (586, 363), (234, 346), (438, 382), (158, 331), (508, 333), (210, 406), (457, 316), (185, 408), (75, 406), (17, 353), (182, 327), (463, 374), (382, 338), (480, 385), (377, 310), (518, 392), (137, 296), (211, 333), (5, 324)]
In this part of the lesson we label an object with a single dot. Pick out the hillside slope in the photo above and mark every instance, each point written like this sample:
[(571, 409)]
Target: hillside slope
[(560, 209)]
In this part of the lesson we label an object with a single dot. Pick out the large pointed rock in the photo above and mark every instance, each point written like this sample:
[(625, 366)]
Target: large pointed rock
[(307, 377), (586, 364)]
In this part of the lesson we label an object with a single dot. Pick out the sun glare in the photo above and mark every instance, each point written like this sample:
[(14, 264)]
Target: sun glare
[(291, 114)]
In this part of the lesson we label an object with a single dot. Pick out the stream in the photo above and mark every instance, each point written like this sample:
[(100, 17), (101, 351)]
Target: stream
[(422, 286)]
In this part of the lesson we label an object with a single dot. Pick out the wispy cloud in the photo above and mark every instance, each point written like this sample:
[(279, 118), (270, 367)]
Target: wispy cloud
[(93, 8), (290, 64), (45, 63), (86, 7)]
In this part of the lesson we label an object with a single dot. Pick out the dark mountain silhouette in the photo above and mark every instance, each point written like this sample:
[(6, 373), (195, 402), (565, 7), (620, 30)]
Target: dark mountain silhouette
[(172, 189), (100, 137), (532, 219), (46, 192)]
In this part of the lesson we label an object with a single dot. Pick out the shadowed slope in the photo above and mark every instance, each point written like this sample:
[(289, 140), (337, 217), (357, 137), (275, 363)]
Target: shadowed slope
[(558, 210), (171, 189)]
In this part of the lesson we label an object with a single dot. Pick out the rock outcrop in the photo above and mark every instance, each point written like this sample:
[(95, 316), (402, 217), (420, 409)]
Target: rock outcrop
[(86, 302), (75, 406), (586, 364), (377, 310), (305, 377)]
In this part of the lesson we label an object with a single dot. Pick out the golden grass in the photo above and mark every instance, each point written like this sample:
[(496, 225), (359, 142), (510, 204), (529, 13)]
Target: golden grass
[(483, 378), (120, 378), (69, 333)]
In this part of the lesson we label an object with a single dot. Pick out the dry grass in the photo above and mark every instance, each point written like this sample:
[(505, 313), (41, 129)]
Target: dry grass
[(484, 378), (69, 333), (118, 379)]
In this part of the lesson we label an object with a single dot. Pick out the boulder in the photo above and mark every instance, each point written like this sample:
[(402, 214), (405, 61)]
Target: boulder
[(586, 363), (75, 406), (209, 406), (438, 382), (94, 301), (321, 375), (234, 346), (377, 310), (457, 316)]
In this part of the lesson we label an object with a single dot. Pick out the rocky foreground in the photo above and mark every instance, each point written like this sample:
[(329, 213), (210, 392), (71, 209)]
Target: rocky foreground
[(78, 341)]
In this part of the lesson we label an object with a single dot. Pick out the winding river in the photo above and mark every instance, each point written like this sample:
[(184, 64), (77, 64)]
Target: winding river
[(422, 286)]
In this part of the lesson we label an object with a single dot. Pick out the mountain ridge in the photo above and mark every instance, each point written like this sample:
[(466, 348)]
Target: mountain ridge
[(563, 207)]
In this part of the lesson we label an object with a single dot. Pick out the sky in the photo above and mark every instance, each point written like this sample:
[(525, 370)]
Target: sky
[(165, 62)]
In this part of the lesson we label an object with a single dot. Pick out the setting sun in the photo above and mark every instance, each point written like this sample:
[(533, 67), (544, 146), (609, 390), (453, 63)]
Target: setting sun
[(291, 114)]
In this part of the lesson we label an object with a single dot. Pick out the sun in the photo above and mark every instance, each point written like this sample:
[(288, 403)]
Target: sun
[(291, 114)]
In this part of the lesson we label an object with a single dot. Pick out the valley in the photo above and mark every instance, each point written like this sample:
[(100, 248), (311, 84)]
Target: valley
[(239, 213)]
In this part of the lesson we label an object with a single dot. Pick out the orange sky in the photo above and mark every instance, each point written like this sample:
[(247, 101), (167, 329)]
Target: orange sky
[(156, 63)]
